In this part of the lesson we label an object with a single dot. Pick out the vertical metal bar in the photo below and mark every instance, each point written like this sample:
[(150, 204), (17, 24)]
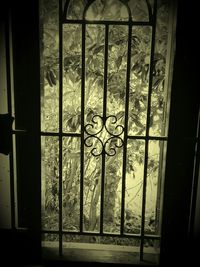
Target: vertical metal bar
[(105, 72), (102, 190), (103, 162), (128, 71), (147, 131), (9, 99), (82, 126), (195, 181), (60, 123), (159, 186), (14, 155)]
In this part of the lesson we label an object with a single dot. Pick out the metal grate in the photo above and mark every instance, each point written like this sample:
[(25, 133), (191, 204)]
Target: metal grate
[(120, 134)]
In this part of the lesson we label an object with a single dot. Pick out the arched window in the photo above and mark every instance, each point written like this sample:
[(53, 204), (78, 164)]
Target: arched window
[(104, 120)]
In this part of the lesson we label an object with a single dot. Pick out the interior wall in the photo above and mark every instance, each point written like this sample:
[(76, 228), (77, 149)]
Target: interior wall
[(176, 245)]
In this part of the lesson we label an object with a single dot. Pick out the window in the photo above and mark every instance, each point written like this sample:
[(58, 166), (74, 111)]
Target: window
[(105, 94), (20, 195)]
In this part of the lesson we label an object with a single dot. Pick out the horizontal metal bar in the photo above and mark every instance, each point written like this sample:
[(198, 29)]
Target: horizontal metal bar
[(137, 236), (154, 237), (19, 132), (21, 229), (165, 138), (107, 22), (161, 138), (60, 134)]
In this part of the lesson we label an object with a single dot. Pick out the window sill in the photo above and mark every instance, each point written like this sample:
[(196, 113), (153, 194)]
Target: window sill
[(98, 253)]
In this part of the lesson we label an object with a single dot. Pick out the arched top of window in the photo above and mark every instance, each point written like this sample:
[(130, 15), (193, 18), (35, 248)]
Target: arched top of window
[(107, 10), (141, 10), (137, 10), (74, 9)]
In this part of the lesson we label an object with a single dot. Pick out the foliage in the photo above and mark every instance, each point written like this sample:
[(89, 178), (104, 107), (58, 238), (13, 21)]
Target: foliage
[(116, 93)]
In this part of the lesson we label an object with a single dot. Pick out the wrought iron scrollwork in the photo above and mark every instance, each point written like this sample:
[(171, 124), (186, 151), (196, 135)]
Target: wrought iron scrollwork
[(104, 135)]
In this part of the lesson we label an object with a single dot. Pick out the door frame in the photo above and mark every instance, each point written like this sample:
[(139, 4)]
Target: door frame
[(182, 129)]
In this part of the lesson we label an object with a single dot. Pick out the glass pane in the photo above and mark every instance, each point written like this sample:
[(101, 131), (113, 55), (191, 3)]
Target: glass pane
[(117, 68), (134, 186), (112, 193), (92, 191), (139, 9), (139, 80), (49, 71), (107, 10), (160, 91), (50, 246), (71, 183), (50, 182), (75, 9), (95, 39), (151, 251), (71, 78), (155, 172)]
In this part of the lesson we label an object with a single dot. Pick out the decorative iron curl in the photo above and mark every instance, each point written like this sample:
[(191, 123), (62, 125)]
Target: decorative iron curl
[(89, 142), (111, 151), (107, 147), (114, 118), (89, 128)]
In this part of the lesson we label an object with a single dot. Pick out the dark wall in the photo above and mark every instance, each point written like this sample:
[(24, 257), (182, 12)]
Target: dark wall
[(178, 245), (18, 246)]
